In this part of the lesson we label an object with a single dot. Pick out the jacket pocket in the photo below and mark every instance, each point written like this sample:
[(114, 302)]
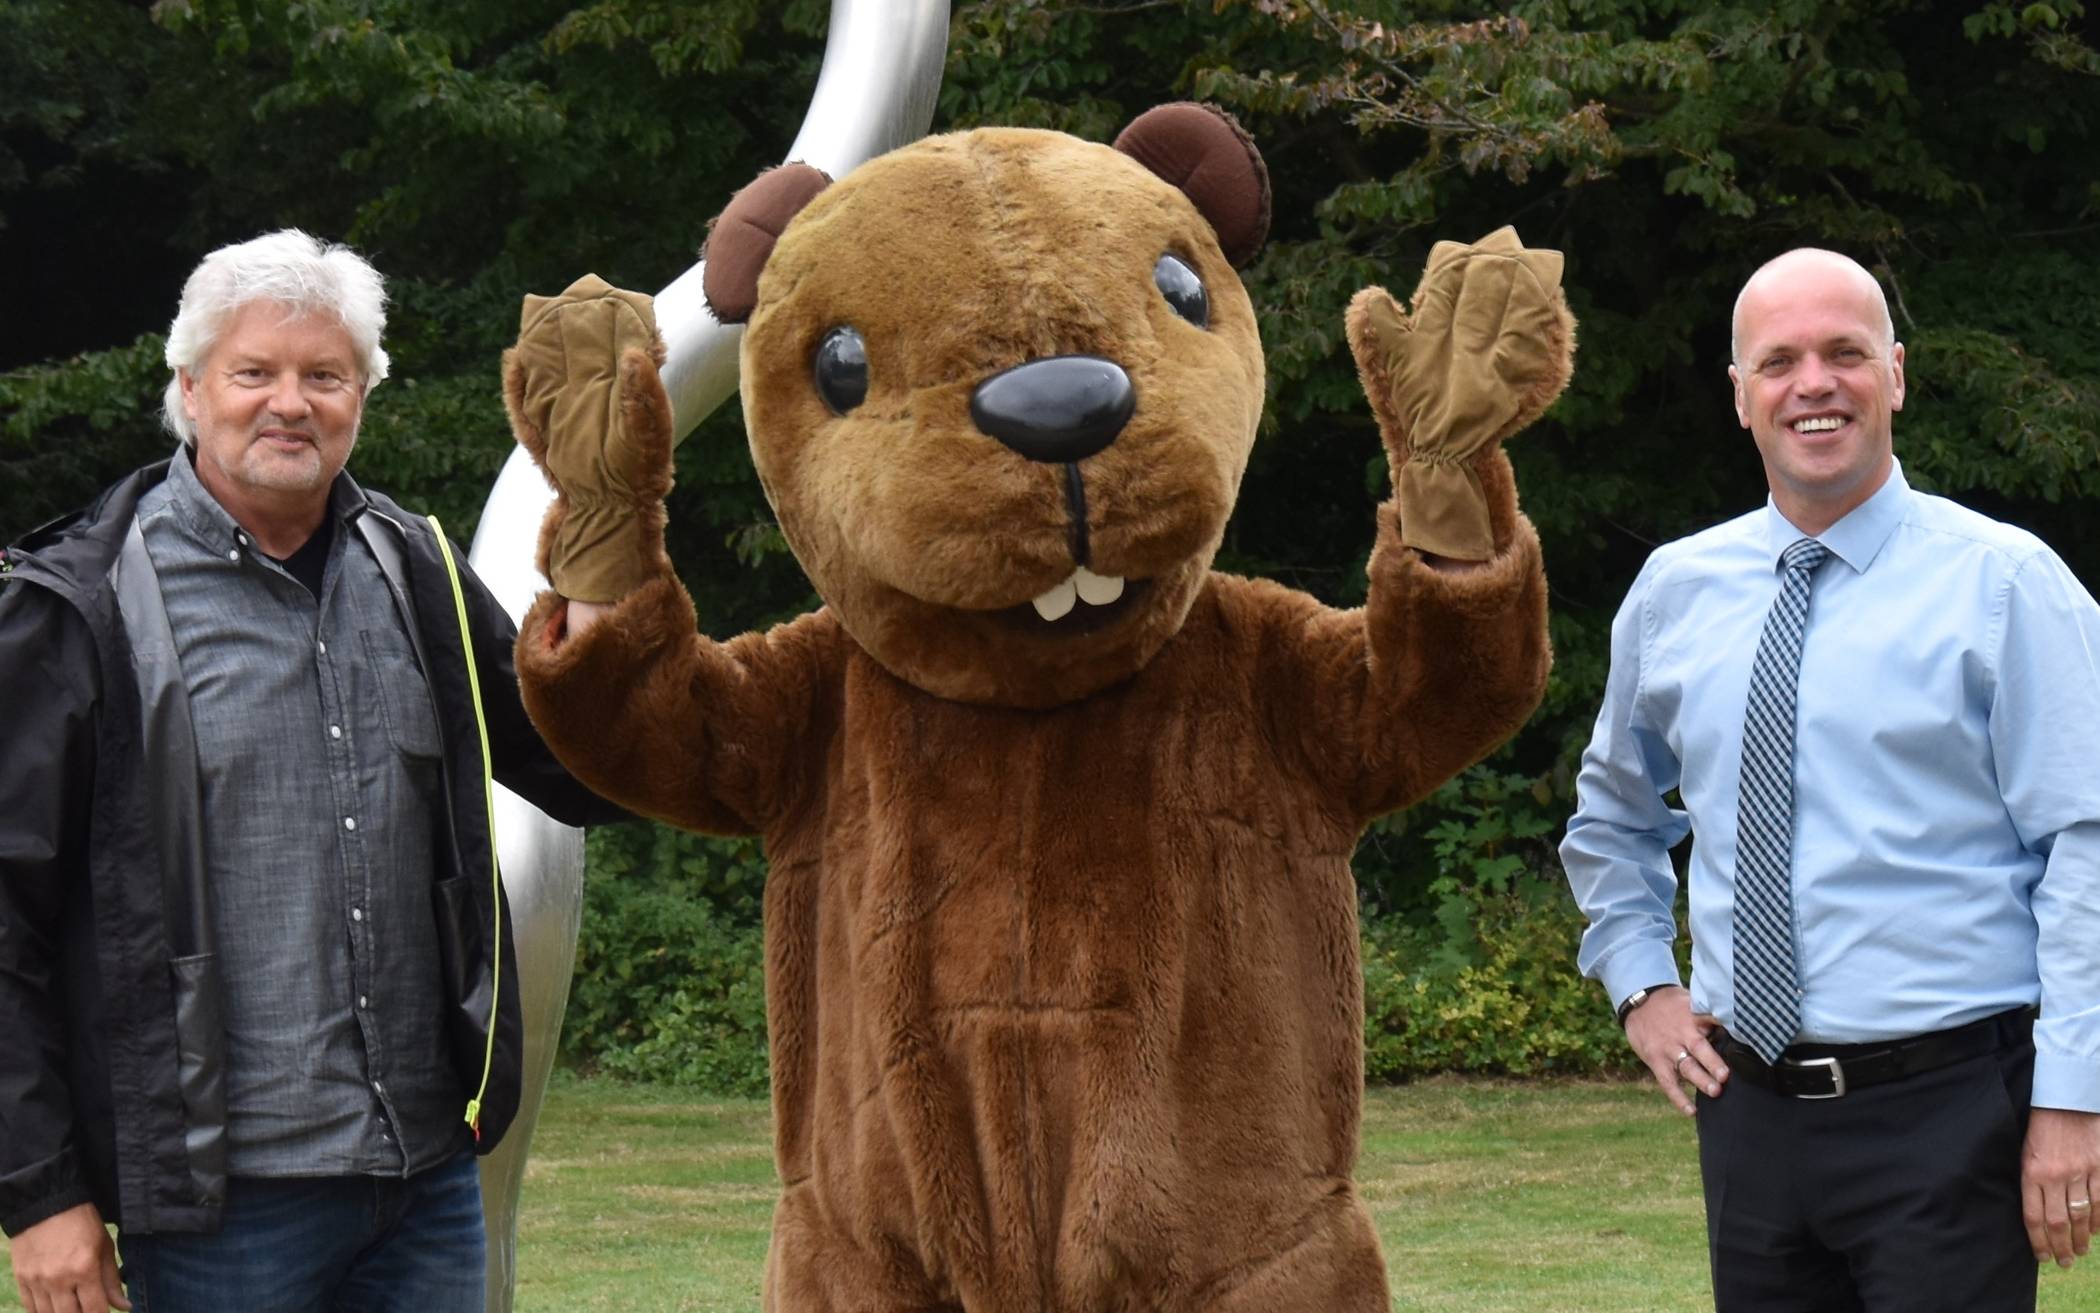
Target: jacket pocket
[(469, 982), (200, 1068)]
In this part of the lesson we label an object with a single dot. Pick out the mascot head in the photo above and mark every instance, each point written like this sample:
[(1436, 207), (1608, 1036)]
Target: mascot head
[(1000, 388)]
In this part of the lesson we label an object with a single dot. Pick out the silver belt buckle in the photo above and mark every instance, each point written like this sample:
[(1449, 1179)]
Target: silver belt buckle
[(1837, 1076)]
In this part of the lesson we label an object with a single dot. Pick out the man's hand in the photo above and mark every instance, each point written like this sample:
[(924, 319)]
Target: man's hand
[(581, 618), (1671, 1039), (2059, 1169), (66, 1264)]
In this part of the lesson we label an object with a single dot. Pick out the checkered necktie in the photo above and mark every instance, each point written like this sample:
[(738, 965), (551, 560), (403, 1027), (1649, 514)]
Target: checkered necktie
[(1767, 998)]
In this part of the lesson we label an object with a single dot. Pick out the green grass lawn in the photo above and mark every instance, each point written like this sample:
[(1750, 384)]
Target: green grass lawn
[(1491, 1197), (1567, 1198)]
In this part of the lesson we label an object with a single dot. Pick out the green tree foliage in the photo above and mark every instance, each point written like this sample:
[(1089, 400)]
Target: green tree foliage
[(484, 148)]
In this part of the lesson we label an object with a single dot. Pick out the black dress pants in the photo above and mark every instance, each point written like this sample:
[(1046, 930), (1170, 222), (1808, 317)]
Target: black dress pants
[(1903, 1196)]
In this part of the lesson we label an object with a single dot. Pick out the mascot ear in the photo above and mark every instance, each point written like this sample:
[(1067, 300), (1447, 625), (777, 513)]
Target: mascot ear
[(742, 236), (1203, 151)]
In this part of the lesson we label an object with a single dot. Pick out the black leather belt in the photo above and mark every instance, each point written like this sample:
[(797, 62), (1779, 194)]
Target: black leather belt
[(1829, 1071)]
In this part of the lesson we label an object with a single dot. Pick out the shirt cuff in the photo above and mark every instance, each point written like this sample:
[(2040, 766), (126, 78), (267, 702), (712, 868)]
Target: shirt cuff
[(1639, 965), (2062, 1081)]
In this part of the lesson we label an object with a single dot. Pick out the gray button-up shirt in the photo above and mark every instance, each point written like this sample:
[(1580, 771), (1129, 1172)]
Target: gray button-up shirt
[(319, 757)]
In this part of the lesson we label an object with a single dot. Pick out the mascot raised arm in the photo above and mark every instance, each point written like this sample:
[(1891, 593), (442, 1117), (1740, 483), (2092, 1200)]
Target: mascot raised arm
[(1062, 964)]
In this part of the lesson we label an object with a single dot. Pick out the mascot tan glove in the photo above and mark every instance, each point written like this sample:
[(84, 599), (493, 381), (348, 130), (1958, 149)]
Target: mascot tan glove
[(585, 400), (1488, 348)]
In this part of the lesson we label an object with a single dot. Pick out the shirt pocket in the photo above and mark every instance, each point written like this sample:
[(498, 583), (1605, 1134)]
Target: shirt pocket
[(404, 695)]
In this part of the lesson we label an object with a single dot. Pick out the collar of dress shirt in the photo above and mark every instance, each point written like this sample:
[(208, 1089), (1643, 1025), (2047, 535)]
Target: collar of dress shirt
[(1859, 537)]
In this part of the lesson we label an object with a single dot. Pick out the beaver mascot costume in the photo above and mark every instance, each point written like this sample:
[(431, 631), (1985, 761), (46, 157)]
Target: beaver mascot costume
[(1062, 974)]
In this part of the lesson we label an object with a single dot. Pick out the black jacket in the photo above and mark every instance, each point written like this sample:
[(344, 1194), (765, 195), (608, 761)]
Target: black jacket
[(111, 1050)]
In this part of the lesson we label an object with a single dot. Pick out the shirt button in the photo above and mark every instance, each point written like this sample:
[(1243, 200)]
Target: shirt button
[(349, 822), (323, 645), (357, 913), (363, 1002), (335, 731), (377, 1088), (233, 556)]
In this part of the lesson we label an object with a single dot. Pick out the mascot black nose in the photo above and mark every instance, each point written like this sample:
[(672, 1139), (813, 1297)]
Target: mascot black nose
[(1055, 410)]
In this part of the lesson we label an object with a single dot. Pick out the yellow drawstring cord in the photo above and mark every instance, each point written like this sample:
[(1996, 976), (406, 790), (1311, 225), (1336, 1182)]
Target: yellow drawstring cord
[(488, 792)]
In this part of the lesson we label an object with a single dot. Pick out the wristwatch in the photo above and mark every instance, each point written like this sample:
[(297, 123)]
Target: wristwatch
[(1640, 996)]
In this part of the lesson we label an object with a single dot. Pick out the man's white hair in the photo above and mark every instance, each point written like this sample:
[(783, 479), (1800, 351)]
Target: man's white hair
[(1798, 255), (303, 274)]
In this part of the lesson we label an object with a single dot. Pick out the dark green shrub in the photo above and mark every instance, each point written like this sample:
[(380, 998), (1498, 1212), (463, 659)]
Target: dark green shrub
[(1473, 970), (669, 981), (1503, 999)]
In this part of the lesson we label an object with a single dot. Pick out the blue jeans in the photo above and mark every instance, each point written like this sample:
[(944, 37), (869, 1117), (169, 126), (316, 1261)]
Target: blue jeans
[(350, 1244)]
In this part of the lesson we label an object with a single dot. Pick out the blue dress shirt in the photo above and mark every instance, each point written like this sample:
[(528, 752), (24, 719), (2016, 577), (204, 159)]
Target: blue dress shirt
[(1946, 779)]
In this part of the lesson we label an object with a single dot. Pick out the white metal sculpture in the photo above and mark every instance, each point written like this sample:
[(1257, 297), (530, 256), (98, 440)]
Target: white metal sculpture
[(875, 92)]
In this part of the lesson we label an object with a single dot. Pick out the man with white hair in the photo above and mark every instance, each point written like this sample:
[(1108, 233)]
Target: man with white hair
[(1878, 709), (256, 975)]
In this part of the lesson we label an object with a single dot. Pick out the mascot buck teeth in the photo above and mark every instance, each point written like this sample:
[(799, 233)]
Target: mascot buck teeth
[(1062, 968)]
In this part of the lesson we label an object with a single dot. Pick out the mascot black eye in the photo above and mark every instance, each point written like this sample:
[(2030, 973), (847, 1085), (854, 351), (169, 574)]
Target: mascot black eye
[(841, 369), (1183, 290)]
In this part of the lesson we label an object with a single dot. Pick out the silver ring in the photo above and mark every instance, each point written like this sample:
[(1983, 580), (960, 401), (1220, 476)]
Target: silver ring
[(1682, 1054), (2080, 1205)]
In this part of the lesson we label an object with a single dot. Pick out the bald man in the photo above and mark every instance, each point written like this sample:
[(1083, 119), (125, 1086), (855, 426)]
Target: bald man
[(1877, 711)]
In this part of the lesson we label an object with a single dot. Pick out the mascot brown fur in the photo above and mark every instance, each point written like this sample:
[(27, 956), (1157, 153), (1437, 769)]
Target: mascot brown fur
[(1061, 941)]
